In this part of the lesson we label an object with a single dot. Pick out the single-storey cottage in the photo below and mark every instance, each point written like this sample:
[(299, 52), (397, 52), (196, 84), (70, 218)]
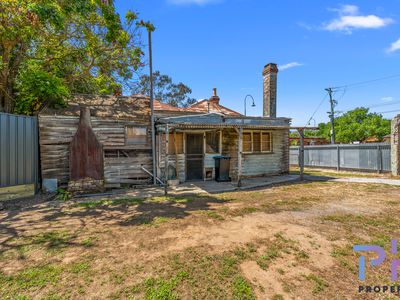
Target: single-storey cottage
[(111, 136)]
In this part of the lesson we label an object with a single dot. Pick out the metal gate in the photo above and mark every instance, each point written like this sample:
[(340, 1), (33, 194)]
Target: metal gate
[(18, 150)]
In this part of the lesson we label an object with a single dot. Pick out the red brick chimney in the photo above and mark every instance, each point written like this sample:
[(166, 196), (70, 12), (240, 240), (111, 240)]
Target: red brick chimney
[(270, 74), (214, 99)]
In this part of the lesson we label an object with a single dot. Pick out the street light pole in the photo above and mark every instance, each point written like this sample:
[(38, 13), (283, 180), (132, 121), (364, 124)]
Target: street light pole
[(153, 135), (252, 105)]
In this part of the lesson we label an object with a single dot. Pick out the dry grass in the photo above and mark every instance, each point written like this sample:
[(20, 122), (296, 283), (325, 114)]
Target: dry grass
[(290, 241), (342, 173)]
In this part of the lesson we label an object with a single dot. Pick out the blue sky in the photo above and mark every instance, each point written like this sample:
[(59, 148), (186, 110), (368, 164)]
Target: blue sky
[(226, 43)]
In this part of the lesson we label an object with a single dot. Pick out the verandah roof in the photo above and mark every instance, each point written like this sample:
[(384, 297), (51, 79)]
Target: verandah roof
[(213, 120)]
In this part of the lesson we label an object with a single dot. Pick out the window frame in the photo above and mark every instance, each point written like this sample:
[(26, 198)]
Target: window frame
[(219, 134), (146, 140), (261, 132)]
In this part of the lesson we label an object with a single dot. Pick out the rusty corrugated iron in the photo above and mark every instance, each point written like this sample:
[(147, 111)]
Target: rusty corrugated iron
[(86, 152)]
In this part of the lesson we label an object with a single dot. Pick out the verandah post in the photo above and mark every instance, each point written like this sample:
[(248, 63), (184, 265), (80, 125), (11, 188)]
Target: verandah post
[(240, 150)]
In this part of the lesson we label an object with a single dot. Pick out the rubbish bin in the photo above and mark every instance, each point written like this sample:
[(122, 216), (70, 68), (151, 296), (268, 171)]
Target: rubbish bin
[(222, 167)]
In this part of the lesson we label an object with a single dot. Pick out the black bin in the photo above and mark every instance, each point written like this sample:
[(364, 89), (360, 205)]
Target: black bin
[(222, 167)]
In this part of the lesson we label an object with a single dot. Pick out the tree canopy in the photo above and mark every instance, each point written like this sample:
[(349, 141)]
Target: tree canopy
[(357, 125), (52, 48), (165, 90)]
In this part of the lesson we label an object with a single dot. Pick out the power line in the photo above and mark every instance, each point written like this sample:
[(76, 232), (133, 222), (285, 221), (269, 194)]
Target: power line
[(365, 82), (389, 111), (316, 110)]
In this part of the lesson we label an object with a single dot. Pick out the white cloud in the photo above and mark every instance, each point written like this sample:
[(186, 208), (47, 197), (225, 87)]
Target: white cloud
[(387, 99), (395, 46), (289, 66), (188, 2), (350, 18), (349, 10)]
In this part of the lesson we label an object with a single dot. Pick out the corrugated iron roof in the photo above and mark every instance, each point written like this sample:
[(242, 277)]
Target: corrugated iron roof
[(202, 106), (219, 120)]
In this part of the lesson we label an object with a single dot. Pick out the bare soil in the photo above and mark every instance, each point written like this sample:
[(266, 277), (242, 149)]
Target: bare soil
[(284, 242)]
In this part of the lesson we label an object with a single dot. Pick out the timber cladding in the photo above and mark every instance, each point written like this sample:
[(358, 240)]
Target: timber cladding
[(110, 119), (258, 164)]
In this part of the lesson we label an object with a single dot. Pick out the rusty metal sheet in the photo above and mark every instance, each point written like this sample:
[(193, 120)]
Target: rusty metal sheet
[(86, 152)]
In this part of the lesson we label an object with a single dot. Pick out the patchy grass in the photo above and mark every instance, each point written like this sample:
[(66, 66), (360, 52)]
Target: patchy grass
[(89, 241), (132, 248), (242, 289), (342, 173), (113, 202), (214, 215), (319, 283)]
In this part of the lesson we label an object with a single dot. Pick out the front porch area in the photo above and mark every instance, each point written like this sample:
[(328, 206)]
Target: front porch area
[(187, 147), (195, 188), (214, 187)]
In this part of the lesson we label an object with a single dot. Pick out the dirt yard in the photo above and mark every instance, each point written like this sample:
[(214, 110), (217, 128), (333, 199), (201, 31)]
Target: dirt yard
[(285, 242)]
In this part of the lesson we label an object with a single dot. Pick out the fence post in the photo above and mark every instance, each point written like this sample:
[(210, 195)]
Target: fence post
[(301, 156), (379, 159), (338, 158)]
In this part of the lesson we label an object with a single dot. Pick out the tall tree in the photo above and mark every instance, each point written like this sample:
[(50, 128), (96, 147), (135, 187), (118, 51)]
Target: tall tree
[(356, 126), (175, 94), (51, 48)]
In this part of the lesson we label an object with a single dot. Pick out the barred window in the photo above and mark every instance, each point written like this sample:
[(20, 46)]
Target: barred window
[(135, 135), (212, 142)]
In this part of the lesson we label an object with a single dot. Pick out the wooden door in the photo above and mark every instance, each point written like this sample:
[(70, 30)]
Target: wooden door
[(194, 156)]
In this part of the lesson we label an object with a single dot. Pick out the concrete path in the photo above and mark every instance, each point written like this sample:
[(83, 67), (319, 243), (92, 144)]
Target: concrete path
[(354, 179), (213, 187), (195, 187)]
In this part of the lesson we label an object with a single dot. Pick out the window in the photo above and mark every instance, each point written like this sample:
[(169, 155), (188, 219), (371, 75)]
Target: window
[(257, 141), (212, 141), (247, 147), (266, 142), (178, 141), (135, 135)]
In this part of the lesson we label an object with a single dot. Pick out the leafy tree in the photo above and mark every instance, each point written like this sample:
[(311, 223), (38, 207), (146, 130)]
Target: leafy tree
[(51, 48), (175, 94), (357, 125)]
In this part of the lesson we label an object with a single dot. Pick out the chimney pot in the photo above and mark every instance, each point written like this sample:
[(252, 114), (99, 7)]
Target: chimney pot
[(270, 74)]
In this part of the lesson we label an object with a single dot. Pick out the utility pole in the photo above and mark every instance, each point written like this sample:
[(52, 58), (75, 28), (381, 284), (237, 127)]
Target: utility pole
[(153, 135), (332, 113)]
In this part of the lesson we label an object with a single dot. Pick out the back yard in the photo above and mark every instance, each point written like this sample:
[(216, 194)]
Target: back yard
[(284, 242)]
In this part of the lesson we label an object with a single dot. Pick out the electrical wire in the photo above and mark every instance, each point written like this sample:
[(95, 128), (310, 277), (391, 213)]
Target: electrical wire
[(389, 111), (316, 110), (365, 82)]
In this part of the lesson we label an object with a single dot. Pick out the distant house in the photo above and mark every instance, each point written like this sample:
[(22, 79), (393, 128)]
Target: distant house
[(309, 141), (187, 140)]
